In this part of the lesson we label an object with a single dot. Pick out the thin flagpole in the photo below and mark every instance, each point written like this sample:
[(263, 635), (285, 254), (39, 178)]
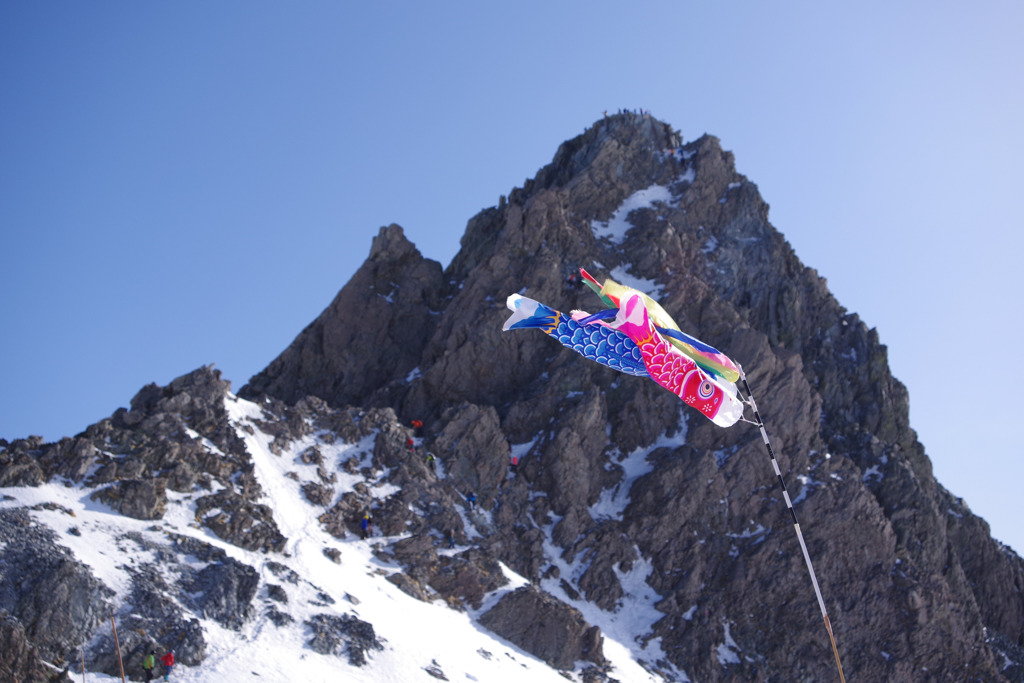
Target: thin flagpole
[(117, 645), (796, 524)]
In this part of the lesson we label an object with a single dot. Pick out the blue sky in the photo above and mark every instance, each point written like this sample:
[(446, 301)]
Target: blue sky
[(191, 183)]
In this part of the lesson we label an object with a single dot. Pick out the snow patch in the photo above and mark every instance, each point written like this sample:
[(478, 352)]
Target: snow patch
[(757, 532), (728, 652), (615, 229), (613, 501), (807, 485)]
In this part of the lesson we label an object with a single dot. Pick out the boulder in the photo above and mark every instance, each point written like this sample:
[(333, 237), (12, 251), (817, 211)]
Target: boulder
[(343, 635), (545, 627), (136, 498)]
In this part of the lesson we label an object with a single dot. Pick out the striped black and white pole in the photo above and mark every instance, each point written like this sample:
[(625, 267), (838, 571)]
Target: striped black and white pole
[(796, 523)]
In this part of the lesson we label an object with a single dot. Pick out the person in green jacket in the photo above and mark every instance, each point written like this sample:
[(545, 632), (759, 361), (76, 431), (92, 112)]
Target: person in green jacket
[(148, 662)]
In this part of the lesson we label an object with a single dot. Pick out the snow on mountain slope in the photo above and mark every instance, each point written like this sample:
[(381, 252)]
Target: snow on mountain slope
[(419, 638)]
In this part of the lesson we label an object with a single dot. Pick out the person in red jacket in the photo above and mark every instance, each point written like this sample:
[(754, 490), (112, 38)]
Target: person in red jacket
[(168, 661)]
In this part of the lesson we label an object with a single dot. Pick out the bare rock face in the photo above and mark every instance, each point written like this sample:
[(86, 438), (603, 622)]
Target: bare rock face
[(475, 450), (463, 578), (55, 597), (545, 627), (19, 661)]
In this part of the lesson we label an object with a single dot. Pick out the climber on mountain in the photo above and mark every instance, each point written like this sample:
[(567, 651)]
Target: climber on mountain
[(513, 464), (431, 462), (471, 499), (168, 661), (366, 525), (148, 662)]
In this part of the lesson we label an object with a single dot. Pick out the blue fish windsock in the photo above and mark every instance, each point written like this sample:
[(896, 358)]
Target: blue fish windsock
[(594, 342)]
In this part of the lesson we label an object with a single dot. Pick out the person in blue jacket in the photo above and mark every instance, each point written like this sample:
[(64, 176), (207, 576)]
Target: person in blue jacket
[(366, 525)]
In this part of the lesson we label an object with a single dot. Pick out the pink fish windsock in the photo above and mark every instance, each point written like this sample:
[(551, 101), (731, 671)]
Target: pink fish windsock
[(673, 370), (706, 356)]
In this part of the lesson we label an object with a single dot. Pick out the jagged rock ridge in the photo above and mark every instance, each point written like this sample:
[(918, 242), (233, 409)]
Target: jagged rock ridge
[(623, 502)]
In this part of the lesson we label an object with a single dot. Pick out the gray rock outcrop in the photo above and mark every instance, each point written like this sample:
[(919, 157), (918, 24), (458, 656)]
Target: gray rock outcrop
[(56, 598), (343, 635), (545, 627), (19, 660)]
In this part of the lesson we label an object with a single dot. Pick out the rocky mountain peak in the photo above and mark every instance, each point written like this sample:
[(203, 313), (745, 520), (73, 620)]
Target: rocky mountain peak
[(629, 199), (396, 284), (391, 245), (623, 501)]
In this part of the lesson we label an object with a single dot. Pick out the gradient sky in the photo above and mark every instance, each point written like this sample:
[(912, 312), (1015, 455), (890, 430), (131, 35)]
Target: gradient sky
[(191, 183)]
